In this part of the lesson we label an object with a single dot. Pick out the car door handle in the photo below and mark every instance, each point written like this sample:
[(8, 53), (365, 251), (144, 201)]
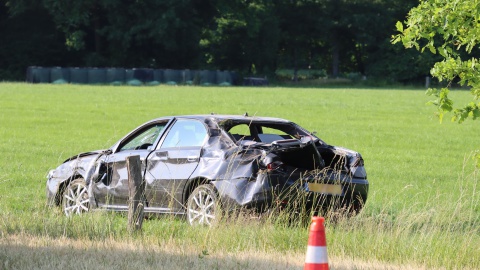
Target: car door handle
[(160, 156), (192, 158)]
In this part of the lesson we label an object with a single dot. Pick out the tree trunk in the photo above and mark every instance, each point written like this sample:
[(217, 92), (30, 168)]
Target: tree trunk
[(335, 60), (335, 53), (295, 66), (96, 28)]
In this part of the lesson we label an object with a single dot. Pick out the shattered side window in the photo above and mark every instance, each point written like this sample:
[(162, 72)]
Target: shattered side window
[(185, 133), (268, 130), (262, 132), (241, 132), (269, 135)]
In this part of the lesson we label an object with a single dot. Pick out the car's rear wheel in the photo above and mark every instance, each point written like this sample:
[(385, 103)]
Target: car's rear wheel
[(75, 198), (203, 206)]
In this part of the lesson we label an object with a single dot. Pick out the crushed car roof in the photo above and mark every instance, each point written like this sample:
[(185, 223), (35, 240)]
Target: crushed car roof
[(221, 117)]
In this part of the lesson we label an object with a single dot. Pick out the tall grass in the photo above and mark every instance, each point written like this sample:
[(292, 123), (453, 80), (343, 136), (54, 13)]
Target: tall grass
[(441, 231), (423, 208)]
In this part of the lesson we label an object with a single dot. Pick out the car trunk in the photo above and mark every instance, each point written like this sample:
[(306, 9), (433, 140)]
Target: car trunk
[(297, 154)]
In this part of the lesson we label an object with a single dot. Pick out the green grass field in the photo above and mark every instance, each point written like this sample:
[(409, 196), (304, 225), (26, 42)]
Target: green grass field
[(424, 201)]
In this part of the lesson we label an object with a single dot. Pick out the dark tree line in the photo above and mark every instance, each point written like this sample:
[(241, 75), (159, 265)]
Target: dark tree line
[(249, 36)]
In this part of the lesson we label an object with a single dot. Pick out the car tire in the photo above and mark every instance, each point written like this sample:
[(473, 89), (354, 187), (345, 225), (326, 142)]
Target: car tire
[(75, 198), (203, 206)]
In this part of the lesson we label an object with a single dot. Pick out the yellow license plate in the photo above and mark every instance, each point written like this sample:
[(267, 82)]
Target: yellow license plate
[(325, 188)]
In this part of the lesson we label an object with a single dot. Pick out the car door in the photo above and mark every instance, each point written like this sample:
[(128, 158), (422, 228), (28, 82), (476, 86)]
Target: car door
[(112, 189), (173, 162)]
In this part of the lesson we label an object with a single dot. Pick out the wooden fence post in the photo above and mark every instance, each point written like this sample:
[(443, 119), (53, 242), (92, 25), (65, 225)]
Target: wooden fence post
[(136, 193)]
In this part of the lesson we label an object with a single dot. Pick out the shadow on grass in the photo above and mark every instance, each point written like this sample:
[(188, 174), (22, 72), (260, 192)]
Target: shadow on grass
[(25, 252)]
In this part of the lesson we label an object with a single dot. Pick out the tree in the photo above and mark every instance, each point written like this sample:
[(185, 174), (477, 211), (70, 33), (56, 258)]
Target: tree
[(28, 37), (146, 33), (243, 36), (452, 30), (250, 36), (302, 25)]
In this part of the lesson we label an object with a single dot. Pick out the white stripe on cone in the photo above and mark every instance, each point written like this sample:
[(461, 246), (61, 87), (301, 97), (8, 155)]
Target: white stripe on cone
[(316, 255)]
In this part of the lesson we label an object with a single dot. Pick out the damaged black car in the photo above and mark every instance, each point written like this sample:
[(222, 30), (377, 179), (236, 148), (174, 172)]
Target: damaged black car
[(202, 165)]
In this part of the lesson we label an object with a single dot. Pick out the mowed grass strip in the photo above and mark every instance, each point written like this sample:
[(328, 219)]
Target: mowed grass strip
[(423, 207), (63, 252)]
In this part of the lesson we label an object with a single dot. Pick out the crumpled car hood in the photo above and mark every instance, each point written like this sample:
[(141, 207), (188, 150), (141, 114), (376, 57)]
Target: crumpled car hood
[(81, 155)]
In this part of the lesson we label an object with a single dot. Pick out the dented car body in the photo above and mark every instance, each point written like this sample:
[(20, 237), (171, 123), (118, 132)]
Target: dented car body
[(198, 164)]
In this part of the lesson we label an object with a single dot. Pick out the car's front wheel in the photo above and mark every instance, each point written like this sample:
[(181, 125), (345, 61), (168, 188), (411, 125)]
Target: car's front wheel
[(203, 206), (75, 198)]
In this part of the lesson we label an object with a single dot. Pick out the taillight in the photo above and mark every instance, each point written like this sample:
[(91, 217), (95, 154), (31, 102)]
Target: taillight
[(274, 165)]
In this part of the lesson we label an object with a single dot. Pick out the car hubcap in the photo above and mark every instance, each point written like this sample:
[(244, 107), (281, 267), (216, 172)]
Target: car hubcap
[(76, 199), (202, 208)]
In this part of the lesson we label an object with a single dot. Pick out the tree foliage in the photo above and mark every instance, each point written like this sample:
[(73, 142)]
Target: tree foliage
[(452, 30), (251, 36), (147, 32), (243, 35), (25, 43)]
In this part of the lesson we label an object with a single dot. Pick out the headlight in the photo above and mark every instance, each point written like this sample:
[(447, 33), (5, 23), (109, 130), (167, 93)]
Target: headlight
[(50, 174)]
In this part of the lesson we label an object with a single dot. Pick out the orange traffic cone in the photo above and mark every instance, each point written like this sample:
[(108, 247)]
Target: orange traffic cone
[(316, 258)]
